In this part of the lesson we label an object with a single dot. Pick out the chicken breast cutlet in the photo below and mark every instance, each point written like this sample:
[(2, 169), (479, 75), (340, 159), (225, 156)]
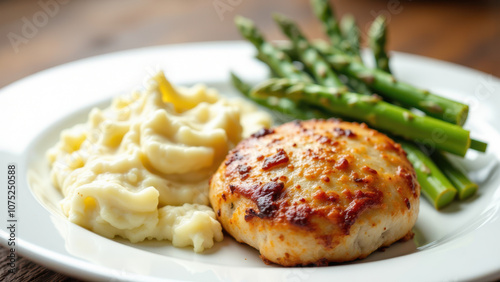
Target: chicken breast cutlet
[(315, 192)]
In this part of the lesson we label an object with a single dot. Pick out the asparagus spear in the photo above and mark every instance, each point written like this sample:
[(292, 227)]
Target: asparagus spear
[(350, 31), (386, 85), (279, 62), (377, 43), (377, 39), (477, 145), (308, 55), (466, 188), (343, 37), (354, 84), (434, 184), (372, 110), (243, 87), (324, 11), (279, 105)]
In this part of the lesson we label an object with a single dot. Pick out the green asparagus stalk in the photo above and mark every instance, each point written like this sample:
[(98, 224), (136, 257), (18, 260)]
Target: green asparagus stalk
[(350, 31), (324, 12), (477, 145), (370, 109), (354, 84), (465, 187), (272, 73), (344, 37), (279, 62), (279, 106), (377, 36), (358, 86), (282, 66), (434, 184), (243, 87), (311, 58), (386, 85)]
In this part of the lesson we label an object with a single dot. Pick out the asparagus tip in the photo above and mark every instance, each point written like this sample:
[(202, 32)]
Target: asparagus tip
[(347, 19), (378, 23), (238, 19), (280, 18), (243, 87), (321, 7)]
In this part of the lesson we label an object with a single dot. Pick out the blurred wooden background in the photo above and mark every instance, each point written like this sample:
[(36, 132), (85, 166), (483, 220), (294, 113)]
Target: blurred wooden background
[(462, 32)]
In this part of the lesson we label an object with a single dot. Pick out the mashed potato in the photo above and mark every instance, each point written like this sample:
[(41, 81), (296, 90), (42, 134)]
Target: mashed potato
[(139, 169)]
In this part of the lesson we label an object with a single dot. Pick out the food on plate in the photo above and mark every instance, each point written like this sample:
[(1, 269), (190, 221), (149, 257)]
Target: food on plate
[(465, 187), (310, 56), (432, 179), (377, 39), (343, 34), (139, 169), (284, 109), (317, 79), (370, 109), (317, 191), (379, 80)]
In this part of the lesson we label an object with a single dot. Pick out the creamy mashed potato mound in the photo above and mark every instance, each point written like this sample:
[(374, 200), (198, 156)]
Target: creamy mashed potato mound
[(139, 169)]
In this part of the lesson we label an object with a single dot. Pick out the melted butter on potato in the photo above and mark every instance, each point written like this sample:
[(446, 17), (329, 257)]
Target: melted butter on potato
[(139, 169)]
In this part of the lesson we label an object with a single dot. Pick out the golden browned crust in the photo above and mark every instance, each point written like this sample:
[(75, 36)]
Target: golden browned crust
[(315, 192)]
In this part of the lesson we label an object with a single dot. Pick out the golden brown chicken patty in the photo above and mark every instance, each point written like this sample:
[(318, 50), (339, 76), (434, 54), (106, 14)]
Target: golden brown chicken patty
[(314, 192)]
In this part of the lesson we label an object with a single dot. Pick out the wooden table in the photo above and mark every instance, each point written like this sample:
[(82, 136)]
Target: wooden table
[(462, 32)]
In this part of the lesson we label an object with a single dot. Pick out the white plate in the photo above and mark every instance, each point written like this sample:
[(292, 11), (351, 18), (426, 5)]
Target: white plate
[(460, 242)]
